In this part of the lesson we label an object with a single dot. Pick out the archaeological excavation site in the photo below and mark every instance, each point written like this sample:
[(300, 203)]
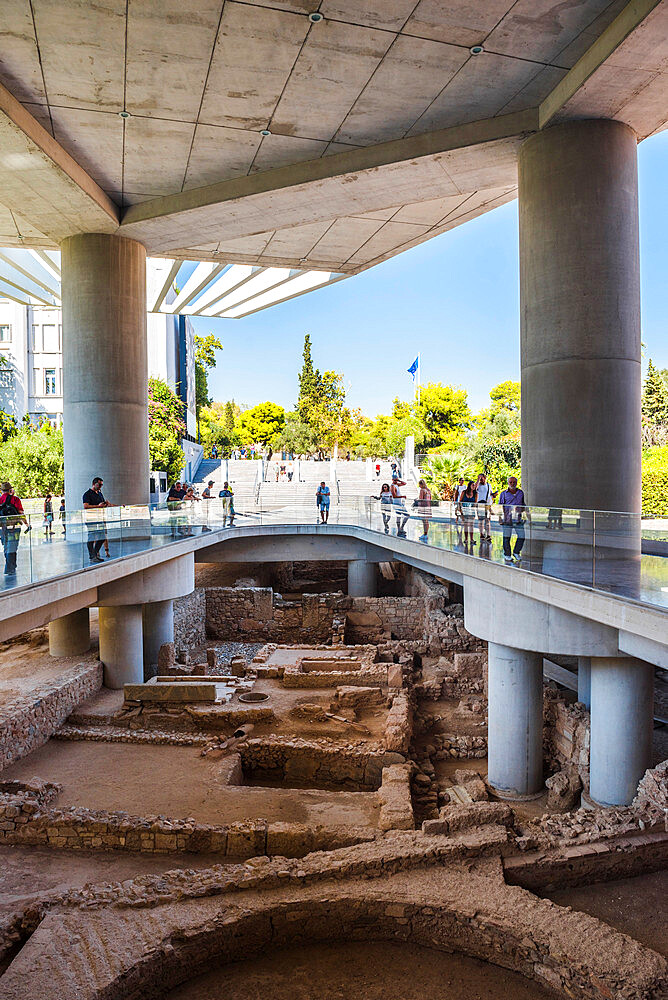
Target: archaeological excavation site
[(301, 801)]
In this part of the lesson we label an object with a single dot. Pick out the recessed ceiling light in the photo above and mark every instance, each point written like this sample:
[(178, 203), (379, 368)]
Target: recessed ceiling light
[(314, 18), (265, 131), (124, 114), (476, 50)]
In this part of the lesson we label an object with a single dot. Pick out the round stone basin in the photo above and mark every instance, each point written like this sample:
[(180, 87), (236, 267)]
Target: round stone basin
[(253, 697), (365, 970)]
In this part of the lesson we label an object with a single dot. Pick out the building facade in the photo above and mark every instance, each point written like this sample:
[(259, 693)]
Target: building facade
[(31, 372)]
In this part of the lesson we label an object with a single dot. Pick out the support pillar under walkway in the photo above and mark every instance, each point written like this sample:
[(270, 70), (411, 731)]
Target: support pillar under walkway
[(70, 635), (515, 727), (105, 368), (158, 621), (362, 578), (121, 649), (622, 709)]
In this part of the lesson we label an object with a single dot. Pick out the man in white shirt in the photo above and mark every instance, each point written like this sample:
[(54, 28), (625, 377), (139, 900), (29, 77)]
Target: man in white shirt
[(484, 497)]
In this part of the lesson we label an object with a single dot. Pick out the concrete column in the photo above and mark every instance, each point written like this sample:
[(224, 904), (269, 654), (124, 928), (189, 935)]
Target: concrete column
[(515, 729), (121, 649), (622, 703), (158, 622), (105, 369), (362, 578), (584, 680), (70, 635), (580, 317)]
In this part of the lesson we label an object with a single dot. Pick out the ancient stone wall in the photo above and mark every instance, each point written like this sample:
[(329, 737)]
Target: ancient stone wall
[(236, 613), (566, 731), (27, 818), (317, 763), (29, 721), (189, 620)]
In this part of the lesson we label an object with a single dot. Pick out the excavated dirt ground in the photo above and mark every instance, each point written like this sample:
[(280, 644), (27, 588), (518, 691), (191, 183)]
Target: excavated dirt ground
[(176, 781), (364, 970), (637, 906), (25, 663), (29, 872)]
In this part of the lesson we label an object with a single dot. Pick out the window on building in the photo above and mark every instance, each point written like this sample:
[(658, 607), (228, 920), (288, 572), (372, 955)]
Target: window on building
[(50, 381), (6, 378), (5, 333), (50, 338), (36, 338)]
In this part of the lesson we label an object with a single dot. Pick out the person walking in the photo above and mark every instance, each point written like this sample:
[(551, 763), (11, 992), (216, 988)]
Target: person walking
[(227, 496), (214, 452), (62, 515), (385, 505), (484, 496), (377, 470), (467, 502), (12, 517), (322, 499), (456, 494), (511, 518), (424, 503), (399, 504), (48, 516), (94, 500)]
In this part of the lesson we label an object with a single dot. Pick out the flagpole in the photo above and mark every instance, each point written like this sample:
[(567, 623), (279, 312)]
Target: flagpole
[(418, 379)]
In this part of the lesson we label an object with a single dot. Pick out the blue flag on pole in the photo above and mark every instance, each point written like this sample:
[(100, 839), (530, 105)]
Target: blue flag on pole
[(413, 370)]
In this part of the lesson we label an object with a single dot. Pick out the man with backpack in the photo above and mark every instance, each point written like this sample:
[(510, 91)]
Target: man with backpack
[(11, 519)]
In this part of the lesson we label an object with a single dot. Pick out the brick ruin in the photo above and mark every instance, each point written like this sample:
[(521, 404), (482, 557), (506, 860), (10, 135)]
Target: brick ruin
[(371, 713)]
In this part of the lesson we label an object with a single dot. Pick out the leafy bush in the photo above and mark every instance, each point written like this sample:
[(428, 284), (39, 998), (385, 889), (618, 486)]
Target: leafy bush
[(655, 482), (165, 428), (32, 460)]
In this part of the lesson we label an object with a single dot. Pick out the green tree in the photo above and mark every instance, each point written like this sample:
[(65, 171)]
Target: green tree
[(296, 436), (215, 429), (309, 386), (505, 396), (444, 410), (442, 472), (205, 360), (654, 397), (165, 428), (230, 416), (32, 460), (261, 424), (399, 430), (330, 419)]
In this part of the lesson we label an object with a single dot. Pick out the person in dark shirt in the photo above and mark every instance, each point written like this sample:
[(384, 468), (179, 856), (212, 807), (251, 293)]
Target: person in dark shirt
[(92, 499), (176, 494)]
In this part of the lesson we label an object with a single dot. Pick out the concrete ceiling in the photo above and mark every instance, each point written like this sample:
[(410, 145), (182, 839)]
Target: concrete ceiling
[(385, 129)]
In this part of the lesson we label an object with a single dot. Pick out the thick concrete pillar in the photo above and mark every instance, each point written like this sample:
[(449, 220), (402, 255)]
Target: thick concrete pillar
[(584, 680), (70, 635), (158, 622), (580, 317), (121, 649), (105, 370), (622, 702), (362, 578), (515, 728)]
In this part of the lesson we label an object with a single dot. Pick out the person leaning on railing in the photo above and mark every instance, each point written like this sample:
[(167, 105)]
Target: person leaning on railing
[(11, 519)]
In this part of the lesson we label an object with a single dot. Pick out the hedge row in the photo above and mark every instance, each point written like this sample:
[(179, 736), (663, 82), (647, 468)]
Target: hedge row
[(655, 482)]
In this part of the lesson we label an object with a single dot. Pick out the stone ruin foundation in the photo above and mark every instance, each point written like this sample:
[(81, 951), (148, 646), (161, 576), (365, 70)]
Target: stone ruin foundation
[(344, 799)]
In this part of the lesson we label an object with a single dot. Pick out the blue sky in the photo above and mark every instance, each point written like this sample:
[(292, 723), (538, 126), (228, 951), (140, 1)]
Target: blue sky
[(455, 299)]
